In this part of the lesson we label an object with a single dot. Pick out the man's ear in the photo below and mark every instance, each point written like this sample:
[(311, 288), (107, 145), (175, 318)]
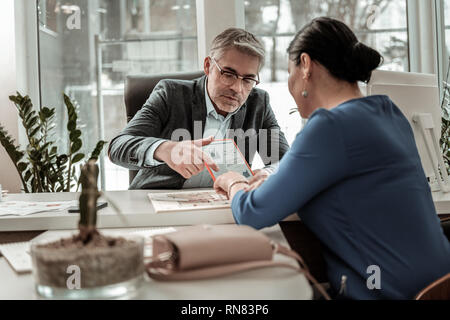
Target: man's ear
[(207, 65)]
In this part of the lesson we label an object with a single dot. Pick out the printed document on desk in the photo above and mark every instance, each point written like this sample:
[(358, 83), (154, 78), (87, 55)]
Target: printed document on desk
[(188, 201), (24, 208), (228, 157)]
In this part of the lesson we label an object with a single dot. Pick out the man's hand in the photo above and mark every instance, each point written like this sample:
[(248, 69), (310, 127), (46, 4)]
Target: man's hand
[(186, 157), (260, 176)]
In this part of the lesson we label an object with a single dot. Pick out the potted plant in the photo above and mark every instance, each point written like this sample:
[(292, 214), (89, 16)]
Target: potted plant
[(41, 168), (102, 266), (445, 133)]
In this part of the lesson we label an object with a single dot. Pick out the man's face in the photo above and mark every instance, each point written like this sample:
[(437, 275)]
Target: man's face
[(228, 98)]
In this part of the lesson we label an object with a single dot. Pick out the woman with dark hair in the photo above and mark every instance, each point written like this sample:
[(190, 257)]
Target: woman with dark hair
[(353, 174)]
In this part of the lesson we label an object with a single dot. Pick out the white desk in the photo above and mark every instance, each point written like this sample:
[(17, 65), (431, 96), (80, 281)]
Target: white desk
[(134, 204), (264, 284)]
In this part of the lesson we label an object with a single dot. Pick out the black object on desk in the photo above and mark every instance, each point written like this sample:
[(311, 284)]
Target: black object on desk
[(100, 205)]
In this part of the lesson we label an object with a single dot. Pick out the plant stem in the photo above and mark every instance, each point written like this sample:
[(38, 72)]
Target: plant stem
[(69, 177)]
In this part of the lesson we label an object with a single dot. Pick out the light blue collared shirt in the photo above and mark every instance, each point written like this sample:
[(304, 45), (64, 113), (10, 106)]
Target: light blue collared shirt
[(216, 125)]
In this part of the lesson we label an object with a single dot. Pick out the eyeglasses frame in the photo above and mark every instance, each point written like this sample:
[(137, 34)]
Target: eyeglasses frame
[(256, 81)]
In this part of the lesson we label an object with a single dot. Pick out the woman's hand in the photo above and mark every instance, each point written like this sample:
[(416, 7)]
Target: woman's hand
[(223, 183), (260, 176)]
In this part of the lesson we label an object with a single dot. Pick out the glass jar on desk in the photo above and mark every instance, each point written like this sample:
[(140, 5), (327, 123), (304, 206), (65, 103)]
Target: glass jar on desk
[(105, 268)]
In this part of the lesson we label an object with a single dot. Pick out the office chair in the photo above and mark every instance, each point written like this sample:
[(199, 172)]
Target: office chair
[(138, 89), (438, 290)]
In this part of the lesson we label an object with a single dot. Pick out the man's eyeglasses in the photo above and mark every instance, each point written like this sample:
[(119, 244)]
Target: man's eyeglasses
[(228, 78)]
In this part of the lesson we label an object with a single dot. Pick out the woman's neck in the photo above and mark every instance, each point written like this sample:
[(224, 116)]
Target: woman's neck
[(335, 92)]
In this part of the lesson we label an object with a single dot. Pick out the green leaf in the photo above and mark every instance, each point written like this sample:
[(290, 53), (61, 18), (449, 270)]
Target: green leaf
[(76, 146), (22, 166), (70, 108), (47, 112), (28, 117), (78, 157), (98, 149), (18, 155), (71, 125), (34, 132), (32, 121), (75, 135), (27, 176), (27, 107), (67, 101), (14, 99)]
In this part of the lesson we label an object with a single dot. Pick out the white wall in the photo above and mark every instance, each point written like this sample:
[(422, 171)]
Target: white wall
[(9, 178)]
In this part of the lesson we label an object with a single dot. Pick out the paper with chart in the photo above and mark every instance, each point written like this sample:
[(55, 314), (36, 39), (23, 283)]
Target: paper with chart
[(188, 201), (227, 156)]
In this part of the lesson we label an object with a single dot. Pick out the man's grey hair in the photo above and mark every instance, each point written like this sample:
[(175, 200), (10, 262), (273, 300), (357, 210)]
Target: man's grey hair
[(239, 39)]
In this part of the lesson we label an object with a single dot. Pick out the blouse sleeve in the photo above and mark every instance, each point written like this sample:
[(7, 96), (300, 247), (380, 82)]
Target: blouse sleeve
[(316, 161)]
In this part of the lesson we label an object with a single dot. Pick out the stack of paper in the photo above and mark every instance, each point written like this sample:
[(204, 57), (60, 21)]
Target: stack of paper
[(24, 208), (188, 201)]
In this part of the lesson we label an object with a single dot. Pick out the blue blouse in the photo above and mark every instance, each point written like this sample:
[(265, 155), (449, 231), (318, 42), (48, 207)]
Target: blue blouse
[(355, 178)]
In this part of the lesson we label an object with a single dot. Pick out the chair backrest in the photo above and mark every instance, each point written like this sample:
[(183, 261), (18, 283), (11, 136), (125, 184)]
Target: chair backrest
[(438, 290), (138, 89)]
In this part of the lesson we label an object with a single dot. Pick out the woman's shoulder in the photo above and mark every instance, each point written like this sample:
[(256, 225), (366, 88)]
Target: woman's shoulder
[(367, 101), (359, 108), (353, 116)]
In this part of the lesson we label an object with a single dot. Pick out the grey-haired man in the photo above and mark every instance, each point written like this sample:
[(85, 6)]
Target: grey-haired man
[(222, 104)]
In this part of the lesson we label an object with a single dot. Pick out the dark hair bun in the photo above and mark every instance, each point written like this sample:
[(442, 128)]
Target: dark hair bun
[(334, 45), (361, 61)]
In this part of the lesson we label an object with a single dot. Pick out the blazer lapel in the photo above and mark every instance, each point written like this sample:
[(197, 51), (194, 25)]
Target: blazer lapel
[(237, 120), (199, 108)]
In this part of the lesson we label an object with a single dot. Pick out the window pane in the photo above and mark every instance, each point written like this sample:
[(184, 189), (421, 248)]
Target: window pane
[(445, 77), (136, 37), (382, 26), (446, 62)]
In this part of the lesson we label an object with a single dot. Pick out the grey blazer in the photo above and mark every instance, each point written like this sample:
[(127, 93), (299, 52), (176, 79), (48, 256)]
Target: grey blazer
[(176, 104)]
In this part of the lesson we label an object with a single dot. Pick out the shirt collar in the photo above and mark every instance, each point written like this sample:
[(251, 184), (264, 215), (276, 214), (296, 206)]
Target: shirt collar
[(210, 110)]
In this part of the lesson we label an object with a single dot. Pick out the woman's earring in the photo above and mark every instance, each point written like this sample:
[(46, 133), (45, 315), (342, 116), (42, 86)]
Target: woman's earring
[(305, 93)]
